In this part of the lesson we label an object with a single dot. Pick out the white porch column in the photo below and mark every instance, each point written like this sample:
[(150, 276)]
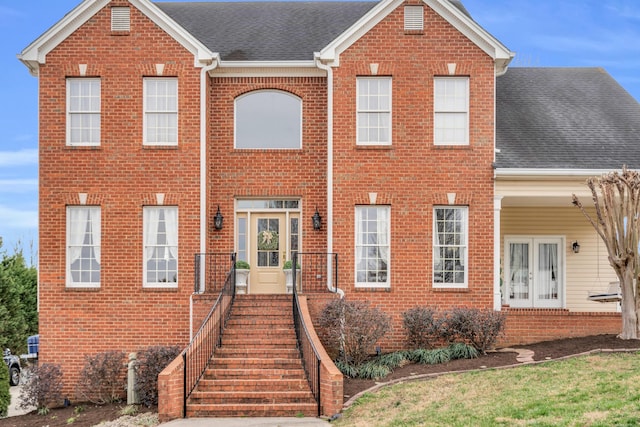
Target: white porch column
[(497, 296)]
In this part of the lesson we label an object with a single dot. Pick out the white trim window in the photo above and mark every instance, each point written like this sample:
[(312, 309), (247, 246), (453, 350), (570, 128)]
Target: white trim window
[(373, 111), (160, 257), (373, 246), (268, 119), (83, 246), (450, 242), (451, 111), (160, 111), (83, 111)]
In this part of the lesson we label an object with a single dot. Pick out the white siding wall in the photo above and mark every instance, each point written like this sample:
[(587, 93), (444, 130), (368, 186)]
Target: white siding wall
[(587, 271)]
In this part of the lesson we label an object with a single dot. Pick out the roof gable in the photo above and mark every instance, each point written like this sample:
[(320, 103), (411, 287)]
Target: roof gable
[(35, 54)]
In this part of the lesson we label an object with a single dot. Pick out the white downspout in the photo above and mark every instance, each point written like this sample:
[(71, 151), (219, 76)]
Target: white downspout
[(203, 172), (329, 71)]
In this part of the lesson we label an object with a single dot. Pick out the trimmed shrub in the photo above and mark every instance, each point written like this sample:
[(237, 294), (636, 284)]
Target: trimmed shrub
[(422, 327), (151, 361), (479, 328), (5, 396), (353, 327), (103, 378), (42, 388)]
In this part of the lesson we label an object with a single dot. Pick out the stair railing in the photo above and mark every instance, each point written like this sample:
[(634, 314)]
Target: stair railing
[(317, 272), (310, 355), (200, 350)]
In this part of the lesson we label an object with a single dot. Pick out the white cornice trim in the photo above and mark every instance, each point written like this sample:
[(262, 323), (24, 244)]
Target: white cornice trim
[(35, 54), (514, 173), (267, 69)]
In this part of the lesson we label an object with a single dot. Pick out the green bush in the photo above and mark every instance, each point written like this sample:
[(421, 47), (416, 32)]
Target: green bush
[(242, 265), (422, 327), (42, 388), (353, 327), (5, 396), (103, 378), (151, 361)]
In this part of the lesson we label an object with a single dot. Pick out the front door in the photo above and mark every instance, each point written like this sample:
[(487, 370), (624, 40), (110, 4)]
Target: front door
[(268, 250), (534, 272)]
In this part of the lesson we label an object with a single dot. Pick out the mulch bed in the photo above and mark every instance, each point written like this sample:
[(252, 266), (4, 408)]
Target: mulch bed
[(93, 415)]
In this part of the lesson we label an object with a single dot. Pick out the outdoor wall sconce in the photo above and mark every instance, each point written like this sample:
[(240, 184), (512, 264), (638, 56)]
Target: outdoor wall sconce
[(576, 247), (217, 220), (317, 220)]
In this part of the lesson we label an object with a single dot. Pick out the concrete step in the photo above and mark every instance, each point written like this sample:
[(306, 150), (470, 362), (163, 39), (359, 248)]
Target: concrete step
[(252, 410)]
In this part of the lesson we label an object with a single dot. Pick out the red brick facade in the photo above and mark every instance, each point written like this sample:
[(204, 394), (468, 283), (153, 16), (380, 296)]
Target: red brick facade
[(412, 175)]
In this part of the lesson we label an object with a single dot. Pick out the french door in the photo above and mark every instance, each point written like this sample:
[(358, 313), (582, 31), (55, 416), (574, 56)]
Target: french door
[(534, 271)]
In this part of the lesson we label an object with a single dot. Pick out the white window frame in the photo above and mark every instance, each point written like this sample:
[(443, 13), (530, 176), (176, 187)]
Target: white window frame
[(462, 246), (534, 281), (167, 112), (365, 111), (90, 113), (450, 104), (150, 244), (384, 246), (78, 218), (270, 142)]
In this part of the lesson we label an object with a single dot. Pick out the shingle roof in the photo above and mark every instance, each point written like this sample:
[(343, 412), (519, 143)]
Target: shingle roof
[(565, 118), (271, 30), (266, 31)]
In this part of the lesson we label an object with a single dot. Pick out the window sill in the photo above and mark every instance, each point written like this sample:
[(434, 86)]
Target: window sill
[(452, 146), (373, 288), (77, 288), (83, 147), (450, 289), (375, 147), (160, 147), (147, 288)]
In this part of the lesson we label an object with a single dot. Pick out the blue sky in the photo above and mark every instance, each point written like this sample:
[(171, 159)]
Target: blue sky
[(582, 33)]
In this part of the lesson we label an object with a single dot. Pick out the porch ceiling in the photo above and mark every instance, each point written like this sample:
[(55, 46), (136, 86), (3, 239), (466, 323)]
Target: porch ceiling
[(541, 193)]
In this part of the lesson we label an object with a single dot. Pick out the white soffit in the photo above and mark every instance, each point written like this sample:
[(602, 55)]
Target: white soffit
[(35, 54)]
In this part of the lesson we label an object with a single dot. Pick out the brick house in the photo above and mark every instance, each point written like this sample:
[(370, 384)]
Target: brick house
[(437, 176)]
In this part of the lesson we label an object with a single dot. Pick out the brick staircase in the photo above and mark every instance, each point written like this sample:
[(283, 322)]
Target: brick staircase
[(257, 372)]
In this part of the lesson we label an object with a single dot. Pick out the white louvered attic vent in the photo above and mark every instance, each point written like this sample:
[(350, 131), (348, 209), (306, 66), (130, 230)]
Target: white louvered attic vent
[(120, 19), (413, 18)]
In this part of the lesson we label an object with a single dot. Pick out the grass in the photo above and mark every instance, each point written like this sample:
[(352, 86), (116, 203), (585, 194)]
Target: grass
[(597, 390)]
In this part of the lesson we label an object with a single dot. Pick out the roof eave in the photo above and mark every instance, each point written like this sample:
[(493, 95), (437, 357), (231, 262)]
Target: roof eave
[(542, 173)]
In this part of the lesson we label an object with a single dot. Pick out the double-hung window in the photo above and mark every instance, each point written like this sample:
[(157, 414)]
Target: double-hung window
[(161, 111), (83, 246), (450, 241), (374, 111), (451, 111), (160, 256), (83, 111), (373, 246)]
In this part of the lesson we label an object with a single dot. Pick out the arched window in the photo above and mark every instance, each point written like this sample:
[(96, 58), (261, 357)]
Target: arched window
[(268, 119)]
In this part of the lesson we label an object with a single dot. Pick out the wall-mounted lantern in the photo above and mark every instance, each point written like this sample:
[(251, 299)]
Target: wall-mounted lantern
[(576, 247), (317, 220), (217, 220)]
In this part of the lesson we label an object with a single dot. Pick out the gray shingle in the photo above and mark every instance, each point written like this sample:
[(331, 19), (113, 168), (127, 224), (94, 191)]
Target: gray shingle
[(266, 31), (565, 118)]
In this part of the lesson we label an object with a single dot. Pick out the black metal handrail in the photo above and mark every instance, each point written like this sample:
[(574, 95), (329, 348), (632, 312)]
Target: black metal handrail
[(316, 272), (308, 351), (210, 271), (200, 350)]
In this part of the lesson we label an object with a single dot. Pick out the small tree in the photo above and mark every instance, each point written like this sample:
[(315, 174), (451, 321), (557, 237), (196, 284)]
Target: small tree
[(616, 197)]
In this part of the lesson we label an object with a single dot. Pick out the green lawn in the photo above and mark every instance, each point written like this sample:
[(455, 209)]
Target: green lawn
[(597, 390)]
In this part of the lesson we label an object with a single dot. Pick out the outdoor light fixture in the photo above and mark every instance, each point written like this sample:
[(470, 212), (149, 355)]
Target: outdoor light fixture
[(576, 247), (217, 220), (317, 220)]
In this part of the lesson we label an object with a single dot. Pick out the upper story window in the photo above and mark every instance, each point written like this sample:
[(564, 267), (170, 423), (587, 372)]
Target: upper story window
[(161, 111), (268, 119), (160, 236), (83, 111), (374, 110), (451, 111), (373, 244), (450, 237), (83, 246)]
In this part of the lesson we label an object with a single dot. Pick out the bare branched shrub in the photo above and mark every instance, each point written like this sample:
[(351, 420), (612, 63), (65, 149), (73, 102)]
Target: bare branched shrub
[(103, 378), (422, 327), (479, 328), (353, 327), (151, 361), (42, 388)]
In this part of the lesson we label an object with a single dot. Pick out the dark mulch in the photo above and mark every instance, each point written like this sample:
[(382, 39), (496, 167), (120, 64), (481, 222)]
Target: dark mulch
[(93, 415), (547, 350)]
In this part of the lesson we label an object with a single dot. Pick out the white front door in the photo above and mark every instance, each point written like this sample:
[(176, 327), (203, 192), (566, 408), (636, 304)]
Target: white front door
[(534, 271)]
